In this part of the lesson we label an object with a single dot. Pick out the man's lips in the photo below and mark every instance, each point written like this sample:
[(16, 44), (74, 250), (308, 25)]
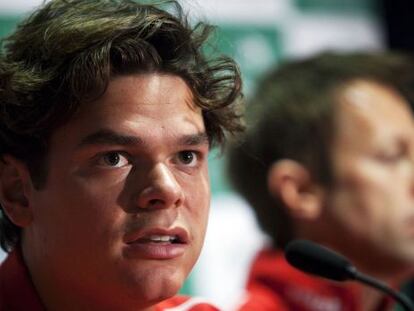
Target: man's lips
[(175, 235), (157, 243)]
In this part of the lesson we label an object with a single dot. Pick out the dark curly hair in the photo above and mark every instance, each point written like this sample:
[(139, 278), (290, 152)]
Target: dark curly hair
[(65, 54), (292, 116)]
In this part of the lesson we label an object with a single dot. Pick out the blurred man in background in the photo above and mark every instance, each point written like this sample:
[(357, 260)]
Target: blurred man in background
[(329, 157), (108, 112)]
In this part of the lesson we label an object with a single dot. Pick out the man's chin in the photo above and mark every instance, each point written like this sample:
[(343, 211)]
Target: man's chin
[(159, 288)]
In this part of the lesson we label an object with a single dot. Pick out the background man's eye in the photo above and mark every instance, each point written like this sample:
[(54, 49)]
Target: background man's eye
[(186, 157), (391, 157)]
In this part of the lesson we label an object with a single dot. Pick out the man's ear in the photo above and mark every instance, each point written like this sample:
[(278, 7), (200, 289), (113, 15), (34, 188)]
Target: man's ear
[(292, 183), (14, 181)]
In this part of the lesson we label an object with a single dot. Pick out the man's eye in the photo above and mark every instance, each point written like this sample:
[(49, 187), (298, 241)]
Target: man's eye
[(388, 157), (113, 159), (188, 158)]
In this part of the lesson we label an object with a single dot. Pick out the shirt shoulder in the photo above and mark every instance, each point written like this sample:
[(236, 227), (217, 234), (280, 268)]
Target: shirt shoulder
[(16, 289), (274, 284)]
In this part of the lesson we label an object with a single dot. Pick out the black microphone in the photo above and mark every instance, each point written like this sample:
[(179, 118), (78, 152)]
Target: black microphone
[(321, 261)]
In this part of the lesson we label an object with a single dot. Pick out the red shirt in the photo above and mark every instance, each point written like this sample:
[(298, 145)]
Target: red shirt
[(274, 285), (17, 292)]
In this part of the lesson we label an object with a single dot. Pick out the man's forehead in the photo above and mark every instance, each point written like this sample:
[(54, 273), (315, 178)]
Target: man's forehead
[(364, 101), (111, 137), (143, 93), (368, 112), (363, 93)]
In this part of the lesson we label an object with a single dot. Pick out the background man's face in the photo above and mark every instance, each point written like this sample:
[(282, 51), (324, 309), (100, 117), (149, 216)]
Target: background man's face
[(372, 202), (124, 210)]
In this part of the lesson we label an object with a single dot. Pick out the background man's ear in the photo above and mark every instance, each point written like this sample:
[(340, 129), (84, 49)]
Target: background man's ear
[(14, 178), (292, 183)]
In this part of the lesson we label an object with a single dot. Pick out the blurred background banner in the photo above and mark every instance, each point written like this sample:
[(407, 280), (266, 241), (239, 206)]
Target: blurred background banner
[(259, 34)]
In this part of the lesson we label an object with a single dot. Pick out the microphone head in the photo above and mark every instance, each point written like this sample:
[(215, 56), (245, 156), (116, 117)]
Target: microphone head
[(321, 261)]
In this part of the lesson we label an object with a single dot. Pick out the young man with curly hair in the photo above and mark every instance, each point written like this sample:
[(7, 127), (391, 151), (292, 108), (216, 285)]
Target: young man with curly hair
[(108, 112)]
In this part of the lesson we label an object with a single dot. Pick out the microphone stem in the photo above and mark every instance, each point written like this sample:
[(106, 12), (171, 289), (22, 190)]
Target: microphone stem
[(399, 297)]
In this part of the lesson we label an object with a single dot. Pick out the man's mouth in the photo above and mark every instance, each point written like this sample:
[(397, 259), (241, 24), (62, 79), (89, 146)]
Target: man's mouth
[(175, 235), (157, 243), (172, 239)]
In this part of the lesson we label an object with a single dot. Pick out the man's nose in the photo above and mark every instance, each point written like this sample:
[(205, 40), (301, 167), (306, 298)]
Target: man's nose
[(162, 189)]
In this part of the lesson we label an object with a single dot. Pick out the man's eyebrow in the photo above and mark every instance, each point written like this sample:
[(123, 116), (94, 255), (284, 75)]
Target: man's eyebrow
[(195, 139), (109, 137)]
